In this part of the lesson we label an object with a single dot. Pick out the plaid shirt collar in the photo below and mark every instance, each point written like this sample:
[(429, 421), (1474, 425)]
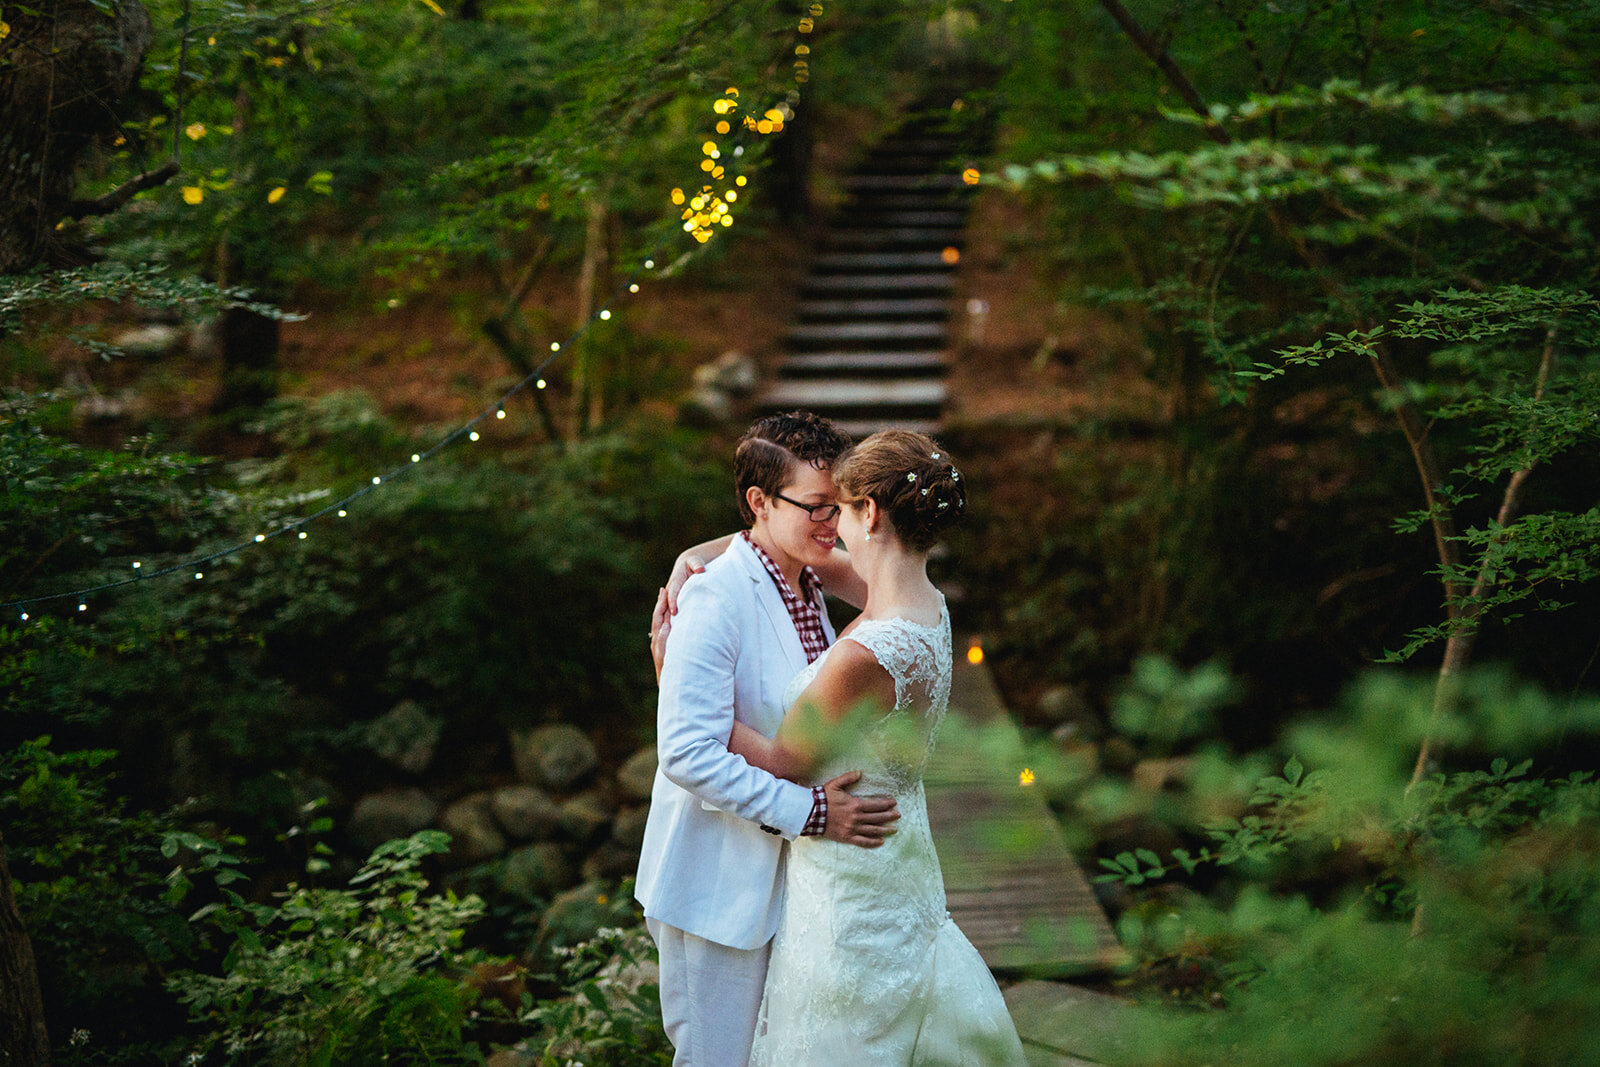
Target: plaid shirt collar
[(810, 584)]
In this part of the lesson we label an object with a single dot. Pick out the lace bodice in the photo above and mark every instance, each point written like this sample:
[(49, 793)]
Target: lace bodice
[(897, 747)]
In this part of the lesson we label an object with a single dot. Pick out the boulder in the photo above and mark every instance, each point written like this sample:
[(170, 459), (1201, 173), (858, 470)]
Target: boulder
[(405, 737), (156, 339), (553, 757), (611, 862), (578, 914), (525, 813), (637, 775), (380, 817), (705, 408), (733, 373), (474, 837), (628, 827), (1062, 704), (584, 817), (515, 1056), (535, 872)]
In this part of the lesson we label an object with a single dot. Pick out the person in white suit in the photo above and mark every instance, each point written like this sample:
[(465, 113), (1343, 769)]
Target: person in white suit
[(711, 867)]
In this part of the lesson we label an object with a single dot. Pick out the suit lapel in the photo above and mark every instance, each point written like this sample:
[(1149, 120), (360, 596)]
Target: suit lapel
[(771, 602)]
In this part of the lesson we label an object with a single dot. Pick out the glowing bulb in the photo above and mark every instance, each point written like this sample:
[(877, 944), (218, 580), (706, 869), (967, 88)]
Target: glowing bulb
[(732, 196), (473, 436), (709, 148), (975, 653), (260, 538), (199, 575), (951, 256), (499, 413), (723, 127), (806, 25), (302, 535), (740, 180), (24, 616), (677, 196), (738, 150), (539, 384), (415, 458), (137, 564), (376, 480), (971, 176), (343, 513), (605, 314), (82, 606), (706, 164), (1026, 777), (649, 264), (634, 288)]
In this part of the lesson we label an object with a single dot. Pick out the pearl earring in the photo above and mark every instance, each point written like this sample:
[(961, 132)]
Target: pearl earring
[(869, 536)]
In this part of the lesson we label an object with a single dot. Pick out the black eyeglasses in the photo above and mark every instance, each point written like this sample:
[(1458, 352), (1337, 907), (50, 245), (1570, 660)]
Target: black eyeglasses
[(818, 512)]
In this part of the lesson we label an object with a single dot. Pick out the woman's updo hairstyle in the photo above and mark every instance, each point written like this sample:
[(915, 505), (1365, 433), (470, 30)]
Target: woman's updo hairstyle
[(913, 480)]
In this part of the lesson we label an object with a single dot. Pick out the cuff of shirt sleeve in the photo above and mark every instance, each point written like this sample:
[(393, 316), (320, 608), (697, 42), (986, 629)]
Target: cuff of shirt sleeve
[(817, 824)]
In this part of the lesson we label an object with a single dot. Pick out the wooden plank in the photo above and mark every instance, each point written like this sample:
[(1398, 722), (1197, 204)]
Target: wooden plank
[(860, 428), (899, 307), (881, 261), (894, 237), (813, 363), (902, 182), (942, 281), (858, 333), (855, 392), (1011, 882)]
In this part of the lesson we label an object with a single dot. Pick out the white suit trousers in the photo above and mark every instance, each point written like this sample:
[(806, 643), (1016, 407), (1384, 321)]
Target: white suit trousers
[(710, 997)]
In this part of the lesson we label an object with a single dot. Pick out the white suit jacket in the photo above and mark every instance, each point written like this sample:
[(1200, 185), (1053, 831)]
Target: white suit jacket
[(706, 865)]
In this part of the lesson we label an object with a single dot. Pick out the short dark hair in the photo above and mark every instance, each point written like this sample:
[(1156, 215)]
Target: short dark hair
[(769, 450)]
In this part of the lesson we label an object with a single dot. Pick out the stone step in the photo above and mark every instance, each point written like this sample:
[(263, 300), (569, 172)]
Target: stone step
[(859, 262), (937, 200), (916, 396), (1069, 1025), (810, 364), (878, 334), (942, 282), (894, 237), (894, 307)]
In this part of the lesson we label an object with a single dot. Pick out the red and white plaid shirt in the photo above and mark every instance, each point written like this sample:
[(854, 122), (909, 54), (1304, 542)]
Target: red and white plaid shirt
[(806, 613)]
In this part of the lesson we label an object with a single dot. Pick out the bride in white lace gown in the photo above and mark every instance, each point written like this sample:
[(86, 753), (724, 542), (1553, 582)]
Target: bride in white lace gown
[(867, 966)]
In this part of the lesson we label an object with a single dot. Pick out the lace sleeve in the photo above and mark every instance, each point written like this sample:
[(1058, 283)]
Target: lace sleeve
[(899, 650)]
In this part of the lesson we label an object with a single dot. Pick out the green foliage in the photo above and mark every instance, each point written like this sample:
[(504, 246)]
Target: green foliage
[(366, 974), (1412, 193), (103, 904), (610, 1012), (1459, 921)]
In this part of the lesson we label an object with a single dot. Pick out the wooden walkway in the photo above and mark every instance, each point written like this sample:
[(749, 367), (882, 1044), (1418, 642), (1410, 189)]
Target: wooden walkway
[(1011, 883)]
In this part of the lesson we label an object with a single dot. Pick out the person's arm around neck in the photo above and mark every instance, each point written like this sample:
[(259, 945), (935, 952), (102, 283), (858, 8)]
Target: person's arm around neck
[(839, 579)]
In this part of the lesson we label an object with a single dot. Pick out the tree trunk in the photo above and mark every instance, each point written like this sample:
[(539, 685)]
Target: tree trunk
[(62, 74), (587, 398), (23, 1039), (249, 361)]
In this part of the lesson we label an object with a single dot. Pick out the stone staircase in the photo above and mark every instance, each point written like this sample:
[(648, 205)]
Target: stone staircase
[(869, 347)]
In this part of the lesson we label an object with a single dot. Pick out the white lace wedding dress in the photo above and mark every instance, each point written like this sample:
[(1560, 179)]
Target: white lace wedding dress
[(867, 966)]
